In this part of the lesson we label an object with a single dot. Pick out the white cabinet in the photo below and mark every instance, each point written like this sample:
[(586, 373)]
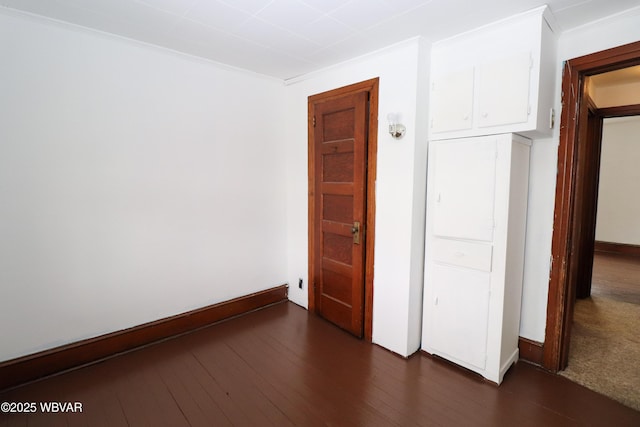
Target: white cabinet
[(464, 200), (496, 79), (474, 254), (461, 301), (452, 101), (503, 91)]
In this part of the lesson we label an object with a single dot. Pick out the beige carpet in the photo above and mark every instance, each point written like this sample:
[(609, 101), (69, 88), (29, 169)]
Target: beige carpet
[(604, 353)]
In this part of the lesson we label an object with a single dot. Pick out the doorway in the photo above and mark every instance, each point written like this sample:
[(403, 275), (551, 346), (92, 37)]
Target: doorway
[(607, 308), (576, 194), (342, 138)]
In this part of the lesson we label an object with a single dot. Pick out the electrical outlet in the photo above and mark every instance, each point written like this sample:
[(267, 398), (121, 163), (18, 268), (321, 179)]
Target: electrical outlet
[(300, 283)]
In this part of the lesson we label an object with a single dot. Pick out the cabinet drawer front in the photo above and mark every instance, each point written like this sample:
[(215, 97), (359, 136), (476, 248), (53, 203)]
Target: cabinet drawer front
[(463, 254)]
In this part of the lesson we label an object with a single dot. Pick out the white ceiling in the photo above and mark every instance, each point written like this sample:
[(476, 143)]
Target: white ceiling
[(287, 38)]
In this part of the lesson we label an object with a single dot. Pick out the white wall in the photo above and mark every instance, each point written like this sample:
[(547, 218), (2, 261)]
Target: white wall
[(618, 218), (603, 34), (535, 287), (401, 174), (616, 95), (136, 183), (600, 35)]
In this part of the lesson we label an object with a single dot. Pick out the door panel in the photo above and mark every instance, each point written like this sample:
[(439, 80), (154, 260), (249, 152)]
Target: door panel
[(461, 301), (464, 188), (340, 147), (337, 208), (503, 94), (452, 101)]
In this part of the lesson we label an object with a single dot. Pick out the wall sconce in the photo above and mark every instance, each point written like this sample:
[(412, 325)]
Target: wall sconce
[(395, 129)]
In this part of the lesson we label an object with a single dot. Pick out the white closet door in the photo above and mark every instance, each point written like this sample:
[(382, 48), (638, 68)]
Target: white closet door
[(460, 313), (464, 188)]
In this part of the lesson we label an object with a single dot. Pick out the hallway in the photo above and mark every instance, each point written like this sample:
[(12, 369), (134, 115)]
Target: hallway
[(605, 347)]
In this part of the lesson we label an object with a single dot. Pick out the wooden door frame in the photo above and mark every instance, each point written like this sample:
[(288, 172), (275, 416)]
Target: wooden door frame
[(371, 87), (592, 178), (560, 298), (588, 180)]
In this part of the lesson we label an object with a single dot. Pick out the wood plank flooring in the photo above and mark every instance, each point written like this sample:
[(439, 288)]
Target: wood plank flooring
[(282, 366), (616, 276)]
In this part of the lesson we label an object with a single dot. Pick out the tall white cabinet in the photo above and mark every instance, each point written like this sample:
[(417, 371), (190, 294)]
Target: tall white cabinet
[(492, 88), (474, 254)]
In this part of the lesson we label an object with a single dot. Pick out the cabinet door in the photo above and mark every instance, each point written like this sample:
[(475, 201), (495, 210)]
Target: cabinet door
[(503, 91), (460, 313), (452, 101), (464, 189)]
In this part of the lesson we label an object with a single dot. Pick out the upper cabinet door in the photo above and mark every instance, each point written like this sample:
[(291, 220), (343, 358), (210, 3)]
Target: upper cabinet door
[(496, 79), (452, 101), (464, 176), (503, 91)]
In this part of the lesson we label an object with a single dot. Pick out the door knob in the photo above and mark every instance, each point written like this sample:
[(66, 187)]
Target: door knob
[(355, 230)]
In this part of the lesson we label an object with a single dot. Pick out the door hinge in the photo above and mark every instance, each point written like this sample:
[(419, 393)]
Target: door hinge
[(314, 121)]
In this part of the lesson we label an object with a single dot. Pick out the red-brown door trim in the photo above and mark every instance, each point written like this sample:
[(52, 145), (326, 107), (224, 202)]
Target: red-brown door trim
[(370, 86), (559, 298)]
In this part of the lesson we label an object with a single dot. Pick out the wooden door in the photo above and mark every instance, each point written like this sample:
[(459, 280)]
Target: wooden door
[(338, 144), (588, 201)]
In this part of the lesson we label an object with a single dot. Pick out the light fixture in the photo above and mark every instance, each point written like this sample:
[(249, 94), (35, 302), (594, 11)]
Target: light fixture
[(395, 129)]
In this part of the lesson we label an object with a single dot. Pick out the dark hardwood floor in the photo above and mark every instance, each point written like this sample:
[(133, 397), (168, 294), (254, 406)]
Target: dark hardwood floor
[(616, 276), (282, 366)]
